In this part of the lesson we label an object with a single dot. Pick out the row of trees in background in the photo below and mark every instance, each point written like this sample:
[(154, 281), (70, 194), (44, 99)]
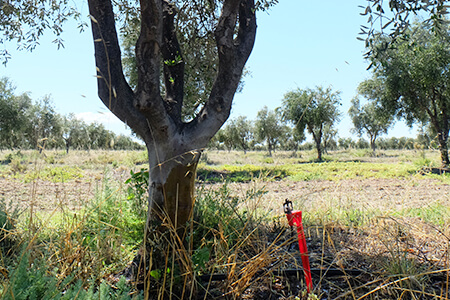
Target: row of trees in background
[(36, 125), (271, 132), (28, 124)]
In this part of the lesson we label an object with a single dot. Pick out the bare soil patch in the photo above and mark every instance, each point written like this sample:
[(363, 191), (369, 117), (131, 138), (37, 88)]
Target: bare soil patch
[(46, 196), (373, 193)]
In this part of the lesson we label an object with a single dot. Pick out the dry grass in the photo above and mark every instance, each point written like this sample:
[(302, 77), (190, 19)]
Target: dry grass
[(391, 228)]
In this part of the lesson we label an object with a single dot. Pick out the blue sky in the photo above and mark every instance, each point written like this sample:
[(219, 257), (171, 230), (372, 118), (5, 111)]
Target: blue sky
[(299, 44)]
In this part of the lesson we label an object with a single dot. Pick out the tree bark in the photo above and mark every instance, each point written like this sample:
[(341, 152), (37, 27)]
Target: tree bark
[(442, 128), (269, 147), (318, 140), (319, 151), (171, 186)]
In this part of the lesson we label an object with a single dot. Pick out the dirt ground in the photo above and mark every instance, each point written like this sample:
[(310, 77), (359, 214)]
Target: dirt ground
[(368, 251), (47, 196), (375, 194), (369, 194)]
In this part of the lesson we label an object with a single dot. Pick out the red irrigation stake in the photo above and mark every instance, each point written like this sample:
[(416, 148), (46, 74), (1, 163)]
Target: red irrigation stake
[(295, 218)]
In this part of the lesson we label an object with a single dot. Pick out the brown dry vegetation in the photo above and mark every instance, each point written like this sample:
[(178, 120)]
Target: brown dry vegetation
[(379, 218)]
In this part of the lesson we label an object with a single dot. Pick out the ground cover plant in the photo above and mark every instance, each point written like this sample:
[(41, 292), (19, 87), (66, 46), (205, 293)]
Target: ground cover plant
[(376, 227)]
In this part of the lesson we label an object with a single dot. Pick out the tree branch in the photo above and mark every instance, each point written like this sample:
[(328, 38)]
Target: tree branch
[(113, 89), (247, 30), (148, 49), (233, 54), (148, 58), (173, 63)]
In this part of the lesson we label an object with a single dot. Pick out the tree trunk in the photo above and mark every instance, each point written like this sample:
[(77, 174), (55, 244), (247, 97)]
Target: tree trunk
[(317, 137), (372, 144), (319, 151), (318, 140), (443, 148), (269, 147), (67, 142), (171, 186)]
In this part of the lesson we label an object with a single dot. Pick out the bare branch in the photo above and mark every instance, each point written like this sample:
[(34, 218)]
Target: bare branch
[(148, 57), (113, 89), (233, 54)]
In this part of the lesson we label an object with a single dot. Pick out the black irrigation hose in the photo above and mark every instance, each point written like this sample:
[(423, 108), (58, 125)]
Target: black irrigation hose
[(315, 272), (287, 272)]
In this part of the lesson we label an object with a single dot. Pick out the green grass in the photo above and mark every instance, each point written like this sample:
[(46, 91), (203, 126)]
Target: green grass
[(435, 213), (339, 165), (240, 173), (53, 174), (336, 170), (332, 170)]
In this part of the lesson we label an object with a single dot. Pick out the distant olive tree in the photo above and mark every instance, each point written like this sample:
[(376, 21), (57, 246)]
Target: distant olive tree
[(241, 132), (346, 143), (371, 118), (13, 117), (224, 138), (43, 123), (313, 110), (292, 139), (269, 128)]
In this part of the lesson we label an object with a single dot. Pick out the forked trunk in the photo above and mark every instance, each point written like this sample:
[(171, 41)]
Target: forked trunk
[(157, 117)]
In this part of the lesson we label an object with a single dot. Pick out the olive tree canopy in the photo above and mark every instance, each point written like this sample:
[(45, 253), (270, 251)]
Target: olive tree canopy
[(269, 128), (416, 78)]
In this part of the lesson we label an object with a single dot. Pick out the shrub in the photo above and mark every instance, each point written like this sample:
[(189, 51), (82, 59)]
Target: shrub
[(32, 280)]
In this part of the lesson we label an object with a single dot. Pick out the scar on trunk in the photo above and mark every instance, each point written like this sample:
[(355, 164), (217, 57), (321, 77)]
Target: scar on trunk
[(179, 193)]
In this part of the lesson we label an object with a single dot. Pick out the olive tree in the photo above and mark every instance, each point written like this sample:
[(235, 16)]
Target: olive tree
[(313, 110), (155, 113), (43, 126), (269, 128), (371, 118), (241, 132), (13, 117), (416, 75), (74, 132)]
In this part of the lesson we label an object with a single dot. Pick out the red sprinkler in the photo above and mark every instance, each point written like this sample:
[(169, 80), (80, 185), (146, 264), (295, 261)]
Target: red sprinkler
[(295, 218)]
